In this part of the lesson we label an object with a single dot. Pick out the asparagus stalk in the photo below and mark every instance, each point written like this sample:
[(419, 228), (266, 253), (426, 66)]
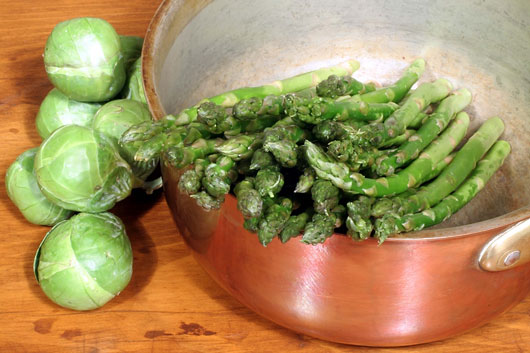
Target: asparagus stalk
[(295, 225), (207, 201), (249, 201), (318, 109), (325, 196), (292, 84), (241, 146), (419, 120), (396, 92), (391, 223), (396, 124), (433, 126), (358, 222), (190, 180), (451, 177), (268, 182), (218, 177), (322, 226), (306, 181), (340, 175), (385, 205), (281, 142), (179, 157), (335, 86), (262, 159), (274, 220)]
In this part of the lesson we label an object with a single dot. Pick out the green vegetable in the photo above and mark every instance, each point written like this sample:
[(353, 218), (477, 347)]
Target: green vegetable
[(131, 48), (295, 225), (397, 92), (134, 85), (454, 174), (85, 261), (116, 117), (335, 86), (274, 220), (397, 123), (57, 110), (249, 201), (24, 192), (433, 126), (80, 169), (416, 173), (391, 223), (83, 59)]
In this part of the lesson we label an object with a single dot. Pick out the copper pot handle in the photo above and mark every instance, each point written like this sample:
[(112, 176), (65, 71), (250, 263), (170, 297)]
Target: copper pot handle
[(507, 249)]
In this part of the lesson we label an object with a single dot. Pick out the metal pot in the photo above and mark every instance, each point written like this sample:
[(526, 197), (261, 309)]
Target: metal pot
[(415, 288)]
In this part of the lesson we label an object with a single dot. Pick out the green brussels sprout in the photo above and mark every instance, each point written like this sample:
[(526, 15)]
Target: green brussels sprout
[(84, 262), (81, 169), (134, 86), (131, 48), (57, 110), (23, 190), (117, 116), (83, 59)]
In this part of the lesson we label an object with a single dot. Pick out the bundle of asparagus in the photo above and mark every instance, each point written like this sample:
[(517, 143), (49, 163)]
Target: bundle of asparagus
[(323, 153)]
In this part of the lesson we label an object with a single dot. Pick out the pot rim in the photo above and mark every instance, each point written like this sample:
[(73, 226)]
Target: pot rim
[(157, 110)]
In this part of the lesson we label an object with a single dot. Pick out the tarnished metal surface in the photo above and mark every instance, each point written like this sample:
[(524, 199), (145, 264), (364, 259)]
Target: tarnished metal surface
[(415, 288)]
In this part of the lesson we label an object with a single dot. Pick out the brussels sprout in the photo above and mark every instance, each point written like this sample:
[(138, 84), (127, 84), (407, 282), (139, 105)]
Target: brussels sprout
[(134, 86), (131, 48), (80, 169), (84, 262), (83, 59), (117, 116), (57, 110), (23, 190)]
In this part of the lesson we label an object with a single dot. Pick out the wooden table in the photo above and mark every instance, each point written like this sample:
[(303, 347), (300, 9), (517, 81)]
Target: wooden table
[(170, 304)]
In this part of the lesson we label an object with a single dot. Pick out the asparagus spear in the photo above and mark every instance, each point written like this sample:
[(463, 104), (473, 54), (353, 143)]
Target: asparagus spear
[(190, 180), (335, 86), (306, 180), (385, 205), (274, 220), (325, 196), (268, 182), (358, 222), (455, 173), (318, 109), (218, 177), (322, 226), (295, 225), (179, 157), (292, 84), (329, 130), (281, 142), (396, 124), (249, 201), (433, 126), (262, 159), (396, 92), (418, 120), (391, 223), (340, 175), (207, 201), (241, 146)]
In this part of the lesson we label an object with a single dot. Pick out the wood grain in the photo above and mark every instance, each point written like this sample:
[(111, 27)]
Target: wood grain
[(171, 305)]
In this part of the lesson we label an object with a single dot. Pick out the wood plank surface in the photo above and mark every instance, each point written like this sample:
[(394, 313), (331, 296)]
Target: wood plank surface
[(171, 305)]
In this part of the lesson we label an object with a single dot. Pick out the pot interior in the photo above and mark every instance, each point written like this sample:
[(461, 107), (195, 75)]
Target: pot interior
[(481, 45)]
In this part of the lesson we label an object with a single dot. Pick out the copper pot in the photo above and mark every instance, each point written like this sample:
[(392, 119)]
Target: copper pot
[(415, 288)]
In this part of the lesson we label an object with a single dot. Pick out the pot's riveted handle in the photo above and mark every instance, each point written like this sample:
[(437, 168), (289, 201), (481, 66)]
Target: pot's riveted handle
[(508, 249)]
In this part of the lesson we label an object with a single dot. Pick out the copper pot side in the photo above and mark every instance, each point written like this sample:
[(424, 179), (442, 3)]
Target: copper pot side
[(415, 288)]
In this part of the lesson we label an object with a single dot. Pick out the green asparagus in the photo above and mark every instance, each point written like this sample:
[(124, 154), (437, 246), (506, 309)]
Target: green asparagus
[(340, 175), (391, 223), (433, 126)]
